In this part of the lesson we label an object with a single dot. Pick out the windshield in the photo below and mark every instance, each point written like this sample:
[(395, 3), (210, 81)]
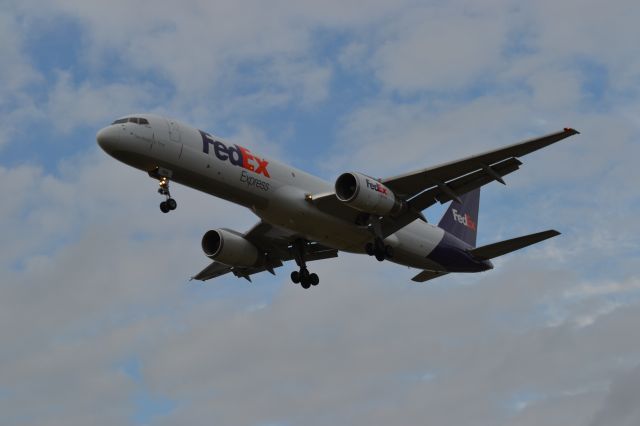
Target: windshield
[(135, 120)]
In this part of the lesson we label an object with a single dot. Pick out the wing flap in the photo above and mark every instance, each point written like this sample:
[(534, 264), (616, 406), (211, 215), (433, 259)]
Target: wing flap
[(464, 184), (503, 247)]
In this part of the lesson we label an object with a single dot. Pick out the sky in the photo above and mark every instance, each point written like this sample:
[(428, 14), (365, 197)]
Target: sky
[(99, 323)]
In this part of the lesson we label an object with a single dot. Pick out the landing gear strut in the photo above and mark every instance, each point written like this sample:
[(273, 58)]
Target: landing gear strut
[(303, 277), (169, 204), (377, 248), (163, 176)]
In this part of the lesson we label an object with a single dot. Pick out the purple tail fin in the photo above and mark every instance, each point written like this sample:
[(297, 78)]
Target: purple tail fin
[(461, 219)]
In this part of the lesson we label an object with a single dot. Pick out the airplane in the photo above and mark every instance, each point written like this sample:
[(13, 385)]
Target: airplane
[(305, 218)]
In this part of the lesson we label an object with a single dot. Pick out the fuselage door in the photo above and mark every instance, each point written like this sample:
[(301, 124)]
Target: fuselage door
[(174, 131), (166, 144)]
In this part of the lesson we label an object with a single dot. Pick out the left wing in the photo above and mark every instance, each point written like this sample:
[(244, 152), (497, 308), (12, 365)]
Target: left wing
[(445, 182), (276, 244)]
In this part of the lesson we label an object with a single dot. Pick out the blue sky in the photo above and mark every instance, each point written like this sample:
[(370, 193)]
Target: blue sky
[(100, 324)]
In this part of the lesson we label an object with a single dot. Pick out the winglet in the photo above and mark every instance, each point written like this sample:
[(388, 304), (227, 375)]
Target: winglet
[(571, 130)]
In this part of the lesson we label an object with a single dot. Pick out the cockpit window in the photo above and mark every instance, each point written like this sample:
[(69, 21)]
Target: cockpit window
[(136, 120)]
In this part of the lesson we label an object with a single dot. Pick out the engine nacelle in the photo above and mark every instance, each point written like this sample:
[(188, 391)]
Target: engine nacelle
[(229, 248), (366, 194)]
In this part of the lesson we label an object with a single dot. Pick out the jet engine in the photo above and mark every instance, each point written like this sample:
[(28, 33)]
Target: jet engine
[(230, 248), (366, 194)]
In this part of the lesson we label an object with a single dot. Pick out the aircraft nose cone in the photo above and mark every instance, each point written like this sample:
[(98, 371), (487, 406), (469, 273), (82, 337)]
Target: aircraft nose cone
[(107, 139)]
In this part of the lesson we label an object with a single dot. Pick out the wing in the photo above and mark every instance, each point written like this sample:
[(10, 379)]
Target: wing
[(276, 243), (445, 182), (485, 165)]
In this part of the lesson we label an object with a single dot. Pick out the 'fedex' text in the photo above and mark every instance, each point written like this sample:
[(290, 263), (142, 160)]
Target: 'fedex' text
[(464, 219), (236, 155), (376, 187)]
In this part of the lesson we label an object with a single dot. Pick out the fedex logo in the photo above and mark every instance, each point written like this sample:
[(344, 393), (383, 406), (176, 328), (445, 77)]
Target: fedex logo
[(464, 220), (376, 186), (236, 155)]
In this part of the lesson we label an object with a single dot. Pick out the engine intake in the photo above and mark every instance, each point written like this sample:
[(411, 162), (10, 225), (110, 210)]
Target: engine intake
[(366, 194), (229, 248)]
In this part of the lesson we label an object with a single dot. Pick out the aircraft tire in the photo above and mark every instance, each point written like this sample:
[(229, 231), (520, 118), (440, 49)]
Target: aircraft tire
[(164, 208), (369, 249), (305, 284), (172, 204), (295, 277), (380, 256), (304, 275), (313, 278), (388, 251)]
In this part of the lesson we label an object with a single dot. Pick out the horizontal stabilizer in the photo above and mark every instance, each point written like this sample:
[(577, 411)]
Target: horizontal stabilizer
[(503, 247), (427, 275)]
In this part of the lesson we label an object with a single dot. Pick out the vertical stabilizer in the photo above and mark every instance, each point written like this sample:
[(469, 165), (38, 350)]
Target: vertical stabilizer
[(461, 219)]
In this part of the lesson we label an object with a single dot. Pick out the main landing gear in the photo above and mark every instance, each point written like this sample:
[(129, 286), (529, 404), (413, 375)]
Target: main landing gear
[(303, 277), (378, 249)]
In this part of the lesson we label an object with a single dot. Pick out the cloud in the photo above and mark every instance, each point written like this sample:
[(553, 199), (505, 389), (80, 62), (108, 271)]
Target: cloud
[(95, 277), (73, 105), (620, 407), (17, 75), (426, 50)]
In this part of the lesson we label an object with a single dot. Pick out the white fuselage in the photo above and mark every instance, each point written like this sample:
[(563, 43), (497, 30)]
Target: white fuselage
[(274, 191)]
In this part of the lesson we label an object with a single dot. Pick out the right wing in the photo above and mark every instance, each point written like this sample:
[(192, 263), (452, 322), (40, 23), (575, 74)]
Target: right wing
[(274, 241)]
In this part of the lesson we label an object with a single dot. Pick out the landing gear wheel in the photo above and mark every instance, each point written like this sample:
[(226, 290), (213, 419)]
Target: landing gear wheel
[(369, 249), (163, 181), (302, 276), (314, 280), (379, 250), (388, 251)]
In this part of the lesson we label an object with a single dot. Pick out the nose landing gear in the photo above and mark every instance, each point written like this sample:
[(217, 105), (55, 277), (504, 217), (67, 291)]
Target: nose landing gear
[(169, 204), (303, 277), (163, 175)]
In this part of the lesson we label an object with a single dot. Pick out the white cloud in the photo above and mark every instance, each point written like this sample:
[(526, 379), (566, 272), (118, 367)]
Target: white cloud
[(73, 105), (95, 275), (17, 76), (427, 49)]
